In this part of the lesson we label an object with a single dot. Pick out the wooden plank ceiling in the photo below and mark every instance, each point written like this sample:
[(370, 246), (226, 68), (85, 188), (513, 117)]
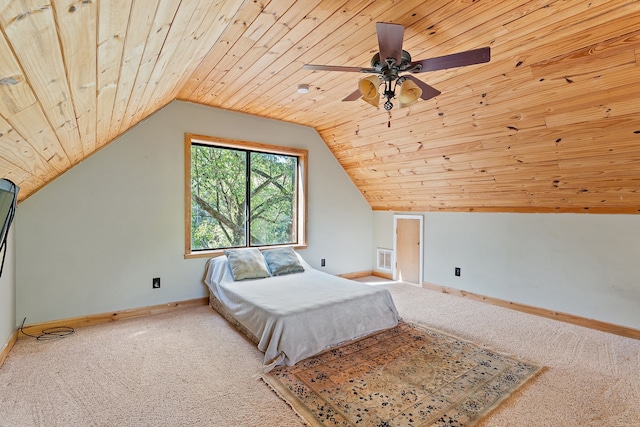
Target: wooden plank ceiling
[(551, 124)]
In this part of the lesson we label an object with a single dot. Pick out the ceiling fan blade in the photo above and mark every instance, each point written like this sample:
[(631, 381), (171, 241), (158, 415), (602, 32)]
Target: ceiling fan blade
[(352, 97), (337, 68), (461, 59), (428, 92), (390, 41)]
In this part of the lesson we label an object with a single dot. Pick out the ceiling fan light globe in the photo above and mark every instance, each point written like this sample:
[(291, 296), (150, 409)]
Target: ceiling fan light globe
[(375, 61), (375, 101), (408, 94), (368, 88)]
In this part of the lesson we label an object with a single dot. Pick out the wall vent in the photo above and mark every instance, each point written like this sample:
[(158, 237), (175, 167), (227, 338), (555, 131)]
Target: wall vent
[(384, 259)]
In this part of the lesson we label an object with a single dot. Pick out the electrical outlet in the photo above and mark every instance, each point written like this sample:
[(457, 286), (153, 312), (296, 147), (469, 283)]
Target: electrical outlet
[(323, 262), (155, 282), (457, 271)]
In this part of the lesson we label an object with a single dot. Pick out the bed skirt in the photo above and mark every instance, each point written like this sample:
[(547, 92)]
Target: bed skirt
[(222, 310)]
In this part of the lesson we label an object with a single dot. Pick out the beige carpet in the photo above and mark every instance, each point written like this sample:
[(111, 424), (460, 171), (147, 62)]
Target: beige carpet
[(409, 375), (190, 368)]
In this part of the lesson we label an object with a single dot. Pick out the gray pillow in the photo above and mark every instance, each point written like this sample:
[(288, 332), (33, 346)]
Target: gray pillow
[(246, 263), (282, 261)]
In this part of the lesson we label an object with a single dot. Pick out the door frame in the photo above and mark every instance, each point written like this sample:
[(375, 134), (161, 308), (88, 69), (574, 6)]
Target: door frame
[(395, 244)]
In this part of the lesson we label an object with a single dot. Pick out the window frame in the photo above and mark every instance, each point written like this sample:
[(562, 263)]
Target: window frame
[(301, 190)]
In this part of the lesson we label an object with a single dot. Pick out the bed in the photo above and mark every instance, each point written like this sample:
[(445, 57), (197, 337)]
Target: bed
[(295, 315)]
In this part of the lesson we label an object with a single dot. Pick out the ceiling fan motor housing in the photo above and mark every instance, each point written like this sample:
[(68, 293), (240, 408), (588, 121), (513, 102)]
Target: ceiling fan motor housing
[(381, 66)]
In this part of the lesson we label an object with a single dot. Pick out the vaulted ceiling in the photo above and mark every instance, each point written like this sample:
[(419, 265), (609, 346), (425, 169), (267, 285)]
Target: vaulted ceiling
[(551, 124)]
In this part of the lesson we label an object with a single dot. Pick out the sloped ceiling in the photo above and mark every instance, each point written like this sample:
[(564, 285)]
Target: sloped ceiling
[(551, 124)]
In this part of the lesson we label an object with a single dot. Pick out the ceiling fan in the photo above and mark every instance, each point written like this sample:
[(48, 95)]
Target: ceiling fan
[(391, 60)]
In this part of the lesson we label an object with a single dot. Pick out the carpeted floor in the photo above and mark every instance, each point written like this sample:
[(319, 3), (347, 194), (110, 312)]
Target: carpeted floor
[(190, 368)]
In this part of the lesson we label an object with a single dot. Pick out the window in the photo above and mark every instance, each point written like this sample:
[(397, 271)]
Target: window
[(242, 194)]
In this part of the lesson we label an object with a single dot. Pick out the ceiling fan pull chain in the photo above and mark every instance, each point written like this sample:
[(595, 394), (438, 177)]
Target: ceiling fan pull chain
[(389, 122)]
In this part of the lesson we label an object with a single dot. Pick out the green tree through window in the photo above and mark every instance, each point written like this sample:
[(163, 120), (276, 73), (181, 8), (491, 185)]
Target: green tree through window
[(272, 207), (242, 197)]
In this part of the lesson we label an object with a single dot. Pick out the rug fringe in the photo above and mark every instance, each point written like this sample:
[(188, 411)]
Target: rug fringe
[(485, 420), (511, 396), (277, 389)]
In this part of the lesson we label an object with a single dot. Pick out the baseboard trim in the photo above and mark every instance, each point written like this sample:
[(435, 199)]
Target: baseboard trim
[(550, 314), (356, 275), (382, 275), (97, 319), (8, 346), (359, 274)]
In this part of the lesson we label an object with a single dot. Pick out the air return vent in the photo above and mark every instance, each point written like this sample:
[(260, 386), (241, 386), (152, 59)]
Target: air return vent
[(384, 259)]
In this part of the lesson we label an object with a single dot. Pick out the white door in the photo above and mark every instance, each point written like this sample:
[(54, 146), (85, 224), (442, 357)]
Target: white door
[(408, 248)]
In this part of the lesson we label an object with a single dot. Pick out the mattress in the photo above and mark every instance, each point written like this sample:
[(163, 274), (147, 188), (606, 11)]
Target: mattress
[(295, 316)]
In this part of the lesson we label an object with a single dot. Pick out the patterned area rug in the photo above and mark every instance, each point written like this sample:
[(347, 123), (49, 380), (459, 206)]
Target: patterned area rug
[(405, 376)]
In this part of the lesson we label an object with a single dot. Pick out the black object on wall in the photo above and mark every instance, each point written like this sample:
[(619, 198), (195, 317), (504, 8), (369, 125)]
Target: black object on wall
[(8, 203)]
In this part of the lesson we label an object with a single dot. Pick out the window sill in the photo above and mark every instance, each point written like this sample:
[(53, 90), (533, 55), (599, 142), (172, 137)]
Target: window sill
[(217, 252)]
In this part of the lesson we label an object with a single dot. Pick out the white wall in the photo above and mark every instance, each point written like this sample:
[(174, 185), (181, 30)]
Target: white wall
[(582, 264), (8, 291), (91, 241), (382, 236)]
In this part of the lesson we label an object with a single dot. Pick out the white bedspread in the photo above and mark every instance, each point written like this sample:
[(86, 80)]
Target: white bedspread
[(298, 315)]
